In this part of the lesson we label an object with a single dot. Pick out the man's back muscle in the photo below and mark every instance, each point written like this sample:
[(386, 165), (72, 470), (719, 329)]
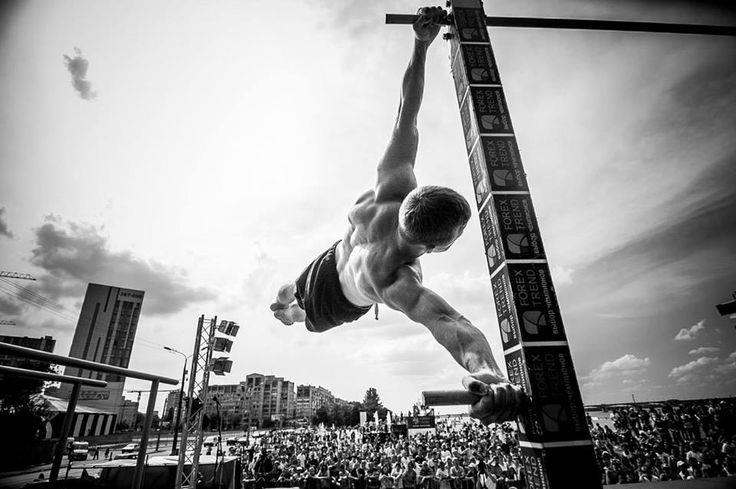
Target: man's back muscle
[(368, 257)]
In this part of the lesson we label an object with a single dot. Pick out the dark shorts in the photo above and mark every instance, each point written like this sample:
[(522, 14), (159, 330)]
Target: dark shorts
[(318, 292)]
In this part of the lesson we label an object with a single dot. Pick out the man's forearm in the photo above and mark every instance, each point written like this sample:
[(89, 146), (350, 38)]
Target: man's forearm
[(412, 86), (467, 345)]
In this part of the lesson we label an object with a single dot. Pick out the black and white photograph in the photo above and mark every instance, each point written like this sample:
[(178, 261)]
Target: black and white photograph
[(367, 244)]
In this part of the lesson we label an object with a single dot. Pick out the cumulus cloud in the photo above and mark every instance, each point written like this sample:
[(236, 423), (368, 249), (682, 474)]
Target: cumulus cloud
[(78, 66), (260, 287), (9, 307), (687, 334), (4, 231), (704, 350), (624, 366), (74, 254), (692, 370), (728, 367), (561, 275)]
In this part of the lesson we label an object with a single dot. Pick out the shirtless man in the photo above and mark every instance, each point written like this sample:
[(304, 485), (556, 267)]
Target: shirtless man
[(377, 261)]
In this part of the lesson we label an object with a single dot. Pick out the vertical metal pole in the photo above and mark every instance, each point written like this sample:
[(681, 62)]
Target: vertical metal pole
[(140, 463), (180, 479), (177, 424), (556, 447), (209, 338), (65, 426)]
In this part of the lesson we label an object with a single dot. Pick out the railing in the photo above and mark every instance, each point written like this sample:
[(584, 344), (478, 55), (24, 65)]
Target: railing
[(31, 354)]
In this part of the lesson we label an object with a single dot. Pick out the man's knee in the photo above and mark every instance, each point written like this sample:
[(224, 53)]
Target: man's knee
[(286, 292)]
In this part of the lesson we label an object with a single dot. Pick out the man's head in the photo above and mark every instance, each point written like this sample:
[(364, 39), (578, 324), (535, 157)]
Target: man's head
[(433, 217)]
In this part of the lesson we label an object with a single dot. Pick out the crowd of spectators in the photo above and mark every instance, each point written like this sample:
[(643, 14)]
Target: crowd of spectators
[(647, 443), (459, 455), (668, 441)]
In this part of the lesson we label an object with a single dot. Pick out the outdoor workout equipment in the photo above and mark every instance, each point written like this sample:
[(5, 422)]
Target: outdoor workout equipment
[(31, 354), (556, 447)]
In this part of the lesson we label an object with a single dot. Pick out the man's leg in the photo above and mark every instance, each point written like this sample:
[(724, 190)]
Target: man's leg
[(285, 309)]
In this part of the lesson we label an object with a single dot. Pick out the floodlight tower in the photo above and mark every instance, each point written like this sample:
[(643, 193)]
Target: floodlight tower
[(192, 436)]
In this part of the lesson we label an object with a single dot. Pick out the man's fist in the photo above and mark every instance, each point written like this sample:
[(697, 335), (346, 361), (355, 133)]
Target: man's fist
[(500, 401), (427, 26)]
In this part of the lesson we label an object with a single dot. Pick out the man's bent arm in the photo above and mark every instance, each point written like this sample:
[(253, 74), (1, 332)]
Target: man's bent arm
[(466, 343)]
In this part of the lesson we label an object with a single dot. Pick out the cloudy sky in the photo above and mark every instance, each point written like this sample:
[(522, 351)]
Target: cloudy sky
[(206, 151)]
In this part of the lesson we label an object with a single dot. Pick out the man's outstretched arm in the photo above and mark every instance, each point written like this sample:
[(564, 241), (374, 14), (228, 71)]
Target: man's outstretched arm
[(466, 343), (396, 169)]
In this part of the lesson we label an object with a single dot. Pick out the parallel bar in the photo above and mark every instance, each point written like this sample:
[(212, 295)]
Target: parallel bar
[(455, 398), (65, 426), (32, 354), (590, 24), (140, 463), (448, 398), (23, 372)]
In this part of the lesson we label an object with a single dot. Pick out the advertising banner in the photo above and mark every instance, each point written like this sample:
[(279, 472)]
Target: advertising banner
[(550, 468), (518, 227), (503, 163), (491, 111)]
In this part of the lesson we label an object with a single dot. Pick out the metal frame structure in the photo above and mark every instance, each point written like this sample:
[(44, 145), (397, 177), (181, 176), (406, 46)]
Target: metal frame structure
[(76, 382), (30, 353), (556, 446), (192, 436), (589, 24)]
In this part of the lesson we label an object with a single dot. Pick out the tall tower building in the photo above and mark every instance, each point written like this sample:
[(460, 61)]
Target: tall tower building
[(105, 333)]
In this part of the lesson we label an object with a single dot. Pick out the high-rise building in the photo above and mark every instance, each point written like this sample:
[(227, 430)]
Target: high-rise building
[(105, 333), (127, 413), (232, 401), (171, 405), (310, 398), (268, 398), (46, 343)]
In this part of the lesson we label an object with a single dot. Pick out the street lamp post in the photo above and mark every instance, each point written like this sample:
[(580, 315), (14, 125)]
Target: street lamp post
[(174, 446)]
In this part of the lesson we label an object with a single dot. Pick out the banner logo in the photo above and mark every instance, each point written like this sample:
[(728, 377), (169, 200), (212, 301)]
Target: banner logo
[(553, 415), (533, 320), (505, 330), (469, 33), (503, 178), (518, 244), (490, 121), (479, 74)]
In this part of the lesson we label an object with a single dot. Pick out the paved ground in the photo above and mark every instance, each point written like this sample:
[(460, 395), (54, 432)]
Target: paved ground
[(18, 479)]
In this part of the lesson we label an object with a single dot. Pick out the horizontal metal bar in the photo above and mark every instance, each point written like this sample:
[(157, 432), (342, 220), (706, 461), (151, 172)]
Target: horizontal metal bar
[(30, 353), (448, 398), (69, 379), (461, 397), (403, 19), (590, 24)]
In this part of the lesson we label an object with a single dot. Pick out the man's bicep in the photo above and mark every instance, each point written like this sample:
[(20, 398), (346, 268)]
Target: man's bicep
[(401, 149), (419, 303)]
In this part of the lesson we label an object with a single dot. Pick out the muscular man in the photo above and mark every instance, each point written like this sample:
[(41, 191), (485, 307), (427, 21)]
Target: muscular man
[(377, 261)]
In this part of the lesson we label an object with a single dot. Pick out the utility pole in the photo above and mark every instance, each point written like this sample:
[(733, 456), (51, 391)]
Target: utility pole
[(177, 423)]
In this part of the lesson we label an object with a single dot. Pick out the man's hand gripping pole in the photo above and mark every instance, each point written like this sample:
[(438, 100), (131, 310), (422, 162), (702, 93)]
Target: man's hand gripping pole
[(502, 402)]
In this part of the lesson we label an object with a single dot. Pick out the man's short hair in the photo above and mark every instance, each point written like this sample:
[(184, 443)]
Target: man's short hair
[(430, 215)]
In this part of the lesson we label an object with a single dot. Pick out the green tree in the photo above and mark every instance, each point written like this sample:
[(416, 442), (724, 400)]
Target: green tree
[(322, 415), (372, 403), (169, 416), (22, 414)]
